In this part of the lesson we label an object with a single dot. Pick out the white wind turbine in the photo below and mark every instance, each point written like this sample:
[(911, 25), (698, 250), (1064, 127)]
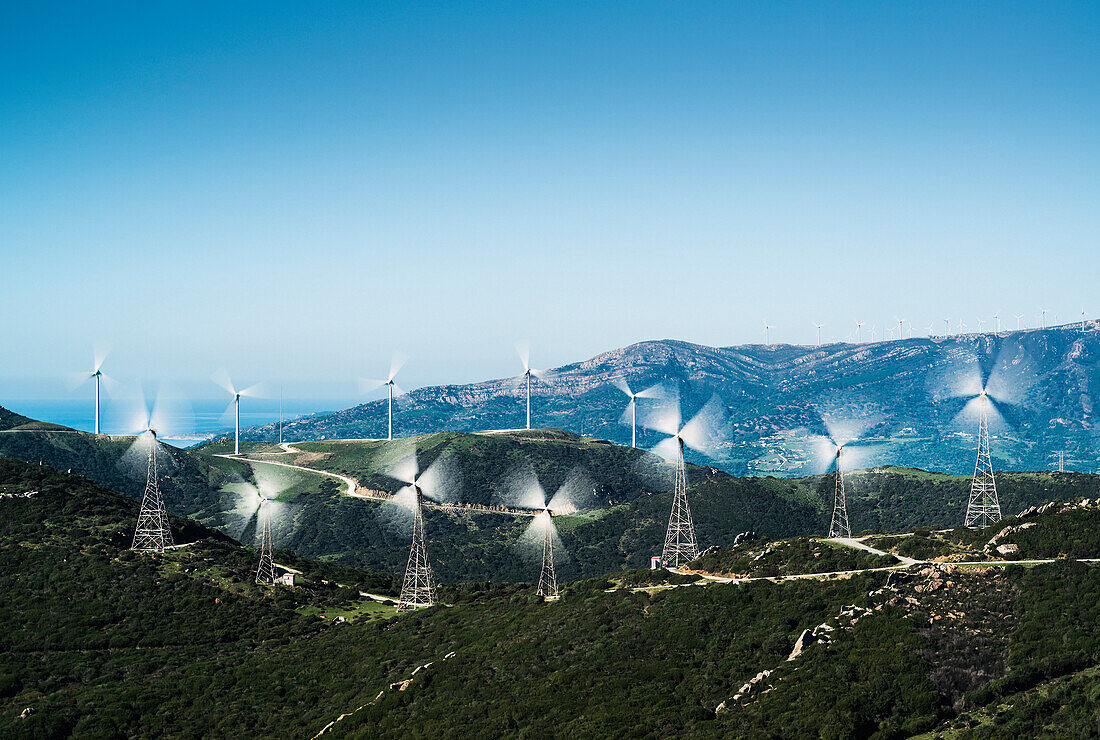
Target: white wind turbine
[(981, 323), (523, 349), (818, 327), (222, 379), (859, 331), (871, 331), (651, 392), (947, 326), (1019, 318), (101, 379), (901, 330), (397, 361), (997, 322)]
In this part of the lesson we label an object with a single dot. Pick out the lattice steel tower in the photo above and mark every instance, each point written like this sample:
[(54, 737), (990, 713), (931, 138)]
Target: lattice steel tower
[(153, 533), (984, 508), (838, 524), (548, 579), (265, 572), (680, 545), (418, 590)]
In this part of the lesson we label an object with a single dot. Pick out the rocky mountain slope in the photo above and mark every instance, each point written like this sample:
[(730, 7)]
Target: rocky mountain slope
[(902, 395)]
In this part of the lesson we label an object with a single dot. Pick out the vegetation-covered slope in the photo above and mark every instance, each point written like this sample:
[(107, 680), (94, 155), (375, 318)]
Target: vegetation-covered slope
[(98, 641)]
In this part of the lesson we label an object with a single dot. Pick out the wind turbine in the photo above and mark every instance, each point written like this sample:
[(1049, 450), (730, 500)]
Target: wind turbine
[(1019, 317), (997, 322), (901, 330), (1007, 382), (397, 361), (700, 433), (947, 326), (101, 379), (872, 332), (222, 379), (1043, 319), (651, 392), (1083, 319), (153, 532), (767, 333), (859, 331), (542, 533), (418, 588), (523, 349), (818, 326), (981, 323)]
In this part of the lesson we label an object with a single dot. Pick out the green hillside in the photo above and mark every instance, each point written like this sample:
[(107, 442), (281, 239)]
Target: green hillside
[(101, 642), (620, 527)]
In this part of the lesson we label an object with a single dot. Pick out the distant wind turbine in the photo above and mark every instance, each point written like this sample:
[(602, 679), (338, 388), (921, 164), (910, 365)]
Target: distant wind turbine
[(767, 333), (523, 349), (397, 361), (1019, 317), (859, 331), (222, 379), (997, 322), (101, 379), (819, 333), (651, 392)]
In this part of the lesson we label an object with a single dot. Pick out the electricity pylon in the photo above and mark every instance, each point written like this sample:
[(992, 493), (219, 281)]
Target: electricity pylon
[(984, 508), (153, 533), (265, 571), (418, 590), (680, 546), (548, 580), (838, 525)]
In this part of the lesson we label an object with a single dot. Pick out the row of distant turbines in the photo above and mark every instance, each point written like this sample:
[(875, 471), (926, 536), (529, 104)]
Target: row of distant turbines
[(680, 546), (897, 329)]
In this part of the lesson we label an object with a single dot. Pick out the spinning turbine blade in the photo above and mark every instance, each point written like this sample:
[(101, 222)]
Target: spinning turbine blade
[(397, 361), (523, 349)]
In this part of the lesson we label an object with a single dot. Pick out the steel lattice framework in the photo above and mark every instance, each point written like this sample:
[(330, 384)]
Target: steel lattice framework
[(548, 579), (838, 524), (984, 508), (265, 571), (680, 546), (153, 533), (418, 590)]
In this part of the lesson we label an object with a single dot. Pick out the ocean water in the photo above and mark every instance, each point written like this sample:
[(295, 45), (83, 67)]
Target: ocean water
[(188, 423)]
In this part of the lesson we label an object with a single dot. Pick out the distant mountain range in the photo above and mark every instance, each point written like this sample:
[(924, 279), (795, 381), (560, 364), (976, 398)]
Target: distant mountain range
[(906, 397)]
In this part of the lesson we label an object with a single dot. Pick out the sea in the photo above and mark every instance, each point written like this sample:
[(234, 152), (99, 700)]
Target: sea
[(188, 424)]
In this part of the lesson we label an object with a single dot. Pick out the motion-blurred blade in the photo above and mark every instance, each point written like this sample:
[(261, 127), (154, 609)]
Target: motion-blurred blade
[(222, 379), (707, 430), (622, 385), (523, 349), (397, 361), (665, 417)]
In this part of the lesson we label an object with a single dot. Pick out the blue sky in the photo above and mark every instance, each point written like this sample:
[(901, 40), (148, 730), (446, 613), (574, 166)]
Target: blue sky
[(292, 191)]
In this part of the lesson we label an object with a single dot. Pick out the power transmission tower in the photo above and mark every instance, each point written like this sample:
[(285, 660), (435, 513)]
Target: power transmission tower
[(153, 533), (838, 525), (548, 580), (984, 508), (265, 572), (680, 545), (418, 590)]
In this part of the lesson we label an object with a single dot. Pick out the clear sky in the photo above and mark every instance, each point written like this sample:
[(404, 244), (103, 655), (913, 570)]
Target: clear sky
[(292, 190)]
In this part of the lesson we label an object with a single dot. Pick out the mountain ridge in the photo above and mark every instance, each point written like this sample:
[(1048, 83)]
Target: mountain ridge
[(774, 393)]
